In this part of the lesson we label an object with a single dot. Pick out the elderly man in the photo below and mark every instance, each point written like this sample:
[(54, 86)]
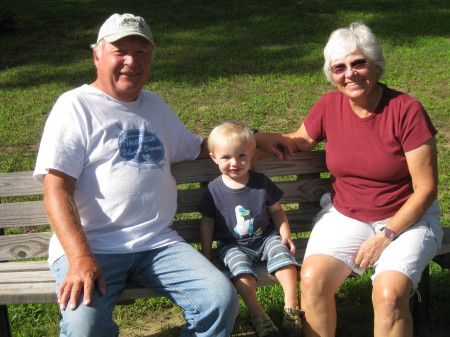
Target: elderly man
[(105, 160)]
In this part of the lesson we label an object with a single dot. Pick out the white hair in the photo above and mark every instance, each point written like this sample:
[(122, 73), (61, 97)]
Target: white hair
[(98, 47), (357, 38)]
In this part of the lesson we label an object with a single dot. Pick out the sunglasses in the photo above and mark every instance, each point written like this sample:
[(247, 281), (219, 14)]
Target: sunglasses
[(341, 68)]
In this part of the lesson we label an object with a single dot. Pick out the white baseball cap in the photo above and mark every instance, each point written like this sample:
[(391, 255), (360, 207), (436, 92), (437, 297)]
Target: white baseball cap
[(119, 26)]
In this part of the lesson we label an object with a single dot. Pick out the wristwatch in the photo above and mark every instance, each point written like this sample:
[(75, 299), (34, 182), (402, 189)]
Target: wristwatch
[(389, 233)]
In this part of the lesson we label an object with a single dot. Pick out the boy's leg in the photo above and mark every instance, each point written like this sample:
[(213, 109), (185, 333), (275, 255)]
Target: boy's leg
[(240, 265), (186, 277), (246, 287), (239, 262), (283, 265), (287, 277)]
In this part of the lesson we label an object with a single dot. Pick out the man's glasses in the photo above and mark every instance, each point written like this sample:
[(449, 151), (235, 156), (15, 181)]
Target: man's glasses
[(341, 68)]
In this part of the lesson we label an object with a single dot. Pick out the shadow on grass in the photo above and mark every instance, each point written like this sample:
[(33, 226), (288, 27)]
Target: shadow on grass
[(440, 301), (202, 39)]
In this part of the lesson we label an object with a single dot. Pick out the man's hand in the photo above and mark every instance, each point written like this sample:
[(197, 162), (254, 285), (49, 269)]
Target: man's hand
[(83, 275)]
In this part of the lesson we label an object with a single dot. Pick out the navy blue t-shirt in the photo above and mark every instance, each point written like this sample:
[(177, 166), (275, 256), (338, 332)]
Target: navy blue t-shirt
[(241, 215)]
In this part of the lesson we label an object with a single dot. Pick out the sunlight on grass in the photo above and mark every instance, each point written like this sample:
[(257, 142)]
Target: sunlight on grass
[(250, 61)]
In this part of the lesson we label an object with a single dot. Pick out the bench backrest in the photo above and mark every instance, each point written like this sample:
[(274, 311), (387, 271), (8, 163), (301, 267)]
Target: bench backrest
[(22, 215)]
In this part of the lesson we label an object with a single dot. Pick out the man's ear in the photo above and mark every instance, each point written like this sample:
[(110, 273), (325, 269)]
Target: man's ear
[(95, 57)]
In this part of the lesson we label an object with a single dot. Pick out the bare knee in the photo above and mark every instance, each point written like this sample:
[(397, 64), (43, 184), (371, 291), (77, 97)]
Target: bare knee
[(322, 276), (312, 282), (390, 307)]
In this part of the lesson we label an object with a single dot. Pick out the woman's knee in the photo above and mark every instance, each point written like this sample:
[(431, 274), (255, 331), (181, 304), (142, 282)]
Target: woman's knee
[(390, 296), (322, 275)]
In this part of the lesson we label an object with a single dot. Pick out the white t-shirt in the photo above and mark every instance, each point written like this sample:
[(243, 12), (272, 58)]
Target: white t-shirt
[(120, 153)]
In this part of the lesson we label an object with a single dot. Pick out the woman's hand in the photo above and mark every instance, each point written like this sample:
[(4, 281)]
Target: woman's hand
[(371, 249), (274, 143)]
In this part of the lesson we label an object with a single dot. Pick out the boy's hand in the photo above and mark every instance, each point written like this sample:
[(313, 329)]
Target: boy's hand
[(289, 243)]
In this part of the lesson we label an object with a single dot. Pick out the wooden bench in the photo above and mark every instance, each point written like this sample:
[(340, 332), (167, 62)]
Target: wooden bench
[(25, 281)]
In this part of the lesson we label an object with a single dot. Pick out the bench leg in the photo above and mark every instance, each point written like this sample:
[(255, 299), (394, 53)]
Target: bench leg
[(421, 313), (5, 329)]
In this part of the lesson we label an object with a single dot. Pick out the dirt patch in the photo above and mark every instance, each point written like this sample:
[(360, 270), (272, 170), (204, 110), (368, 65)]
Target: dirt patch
[(168, 323)]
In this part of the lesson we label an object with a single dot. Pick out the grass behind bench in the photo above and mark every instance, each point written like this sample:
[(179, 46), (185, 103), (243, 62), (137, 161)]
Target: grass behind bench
[(257, 61)]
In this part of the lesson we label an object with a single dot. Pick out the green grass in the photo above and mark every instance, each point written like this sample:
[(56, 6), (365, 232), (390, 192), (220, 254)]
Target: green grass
[(257, 61)]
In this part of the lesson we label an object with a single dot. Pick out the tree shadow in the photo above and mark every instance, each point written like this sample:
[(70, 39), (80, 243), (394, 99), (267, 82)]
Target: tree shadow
[(202, 39)]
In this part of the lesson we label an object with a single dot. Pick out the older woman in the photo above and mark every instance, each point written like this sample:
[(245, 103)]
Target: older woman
[(382, 212)]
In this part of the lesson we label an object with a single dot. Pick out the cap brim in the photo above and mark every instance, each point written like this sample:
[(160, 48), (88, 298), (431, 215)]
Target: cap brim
[(118, 36)]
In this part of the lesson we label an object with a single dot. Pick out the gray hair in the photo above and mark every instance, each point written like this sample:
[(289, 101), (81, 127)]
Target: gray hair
[(98, 48), (356, 38)]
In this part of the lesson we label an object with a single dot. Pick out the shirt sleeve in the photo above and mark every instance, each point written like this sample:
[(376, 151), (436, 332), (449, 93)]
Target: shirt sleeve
[(416, 126), (186, 145), (315, 121), (63, 144)]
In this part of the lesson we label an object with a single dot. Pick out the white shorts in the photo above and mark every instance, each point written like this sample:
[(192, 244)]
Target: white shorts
[(339, 236)]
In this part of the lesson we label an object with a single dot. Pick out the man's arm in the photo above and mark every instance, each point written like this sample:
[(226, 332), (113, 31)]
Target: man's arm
[(204, 152), (83, 271)]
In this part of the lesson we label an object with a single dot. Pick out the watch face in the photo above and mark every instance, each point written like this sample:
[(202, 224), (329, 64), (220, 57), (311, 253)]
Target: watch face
[(389, 233)]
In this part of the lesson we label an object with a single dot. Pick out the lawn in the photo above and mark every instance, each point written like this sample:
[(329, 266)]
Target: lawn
[(256, 61)]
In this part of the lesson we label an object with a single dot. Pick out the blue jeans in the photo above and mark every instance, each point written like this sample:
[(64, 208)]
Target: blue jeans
[(178, 272)]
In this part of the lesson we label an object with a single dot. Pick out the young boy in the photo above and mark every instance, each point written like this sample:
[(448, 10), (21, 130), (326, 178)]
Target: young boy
[(241, 210)]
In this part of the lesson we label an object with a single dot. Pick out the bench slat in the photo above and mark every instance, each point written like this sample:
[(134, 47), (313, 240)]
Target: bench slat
[(22, 183), (299, 163), (299, 221), (32, 282), (294, 191), (20, 214), (24, 246), (18, 184), (32, 213), (44, 292), (32, 245)]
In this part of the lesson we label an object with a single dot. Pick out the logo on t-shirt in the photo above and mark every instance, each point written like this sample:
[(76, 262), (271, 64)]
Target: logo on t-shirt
[(141, 146)]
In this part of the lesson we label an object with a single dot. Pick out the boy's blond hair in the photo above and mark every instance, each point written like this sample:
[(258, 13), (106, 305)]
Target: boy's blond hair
[(230, 131)]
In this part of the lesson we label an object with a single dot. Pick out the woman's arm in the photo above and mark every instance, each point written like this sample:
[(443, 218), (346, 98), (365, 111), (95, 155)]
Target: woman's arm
[(422, 165), (300, 140)]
